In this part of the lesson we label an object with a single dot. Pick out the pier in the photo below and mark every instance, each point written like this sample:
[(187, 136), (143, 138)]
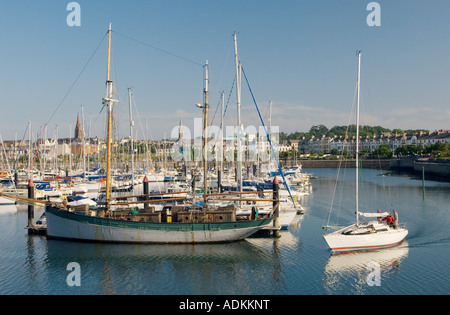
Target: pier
[(370, 164)]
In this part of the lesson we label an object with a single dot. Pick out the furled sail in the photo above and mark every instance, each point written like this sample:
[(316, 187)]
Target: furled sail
[(373, 215)]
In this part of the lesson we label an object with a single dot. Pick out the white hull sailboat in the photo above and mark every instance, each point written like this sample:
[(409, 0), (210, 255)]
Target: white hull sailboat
[(6, 202), (366, 235)]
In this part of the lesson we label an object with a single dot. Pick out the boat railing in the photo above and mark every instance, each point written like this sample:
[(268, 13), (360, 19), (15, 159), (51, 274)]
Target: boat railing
[(27, 200), (213, 196)]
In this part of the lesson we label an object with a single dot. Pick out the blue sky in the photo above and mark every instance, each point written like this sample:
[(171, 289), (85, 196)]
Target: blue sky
[(299, 54)]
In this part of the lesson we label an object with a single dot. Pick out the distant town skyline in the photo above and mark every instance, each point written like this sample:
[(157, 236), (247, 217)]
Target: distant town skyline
[(298, 54), (183, 131)]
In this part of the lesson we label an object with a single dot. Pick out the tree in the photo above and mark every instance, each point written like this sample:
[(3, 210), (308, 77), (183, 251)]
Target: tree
[(338, 130), (282, 136), (438, 150), (318, 131), (407, 150), (382, 152)]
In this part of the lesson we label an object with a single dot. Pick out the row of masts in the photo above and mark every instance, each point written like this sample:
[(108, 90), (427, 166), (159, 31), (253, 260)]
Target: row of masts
[(110, 201), (238, 67), (109, 102)]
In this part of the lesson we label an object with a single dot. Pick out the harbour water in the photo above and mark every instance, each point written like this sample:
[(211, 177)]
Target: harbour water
[(299, 262)]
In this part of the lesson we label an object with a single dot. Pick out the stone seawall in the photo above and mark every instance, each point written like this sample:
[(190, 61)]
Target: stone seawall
[(372, 164), (439, 169), (403, 163), (435, 169)]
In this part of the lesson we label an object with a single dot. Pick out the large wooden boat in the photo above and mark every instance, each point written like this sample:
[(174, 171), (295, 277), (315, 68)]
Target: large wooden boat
[(179, 224), (217, 226)]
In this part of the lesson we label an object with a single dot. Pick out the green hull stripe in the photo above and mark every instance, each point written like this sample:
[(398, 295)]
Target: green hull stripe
[(155, 226)]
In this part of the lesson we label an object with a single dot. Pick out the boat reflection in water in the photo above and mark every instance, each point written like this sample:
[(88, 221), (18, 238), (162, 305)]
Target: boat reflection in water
[(365, 269), (7, 209), (156, 268)]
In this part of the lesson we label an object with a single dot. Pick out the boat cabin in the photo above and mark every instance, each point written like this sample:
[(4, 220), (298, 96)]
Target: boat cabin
[(366, 228)]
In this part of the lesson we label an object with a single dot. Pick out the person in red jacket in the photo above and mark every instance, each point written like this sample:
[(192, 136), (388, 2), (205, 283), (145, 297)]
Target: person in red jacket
[(389, 219)]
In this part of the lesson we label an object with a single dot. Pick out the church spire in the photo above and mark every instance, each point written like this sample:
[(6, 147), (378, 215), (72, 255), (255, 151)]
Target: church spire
[(181, 132), (78, 130)]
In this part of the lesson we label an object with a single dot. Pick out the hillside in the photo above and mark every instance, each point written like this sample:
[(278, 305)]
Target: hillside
[(319, 130)]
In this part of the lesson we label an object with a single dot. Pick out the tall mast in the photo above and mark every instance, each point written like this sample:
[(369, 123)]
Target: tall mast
[(29, 150), (109, 54), (358, 86), (270, 129), (70, 149), (56, 149), (205, 137), (45, 150), (109, 102), (131, 138), (222, 107), (83, 142), (238, 103)]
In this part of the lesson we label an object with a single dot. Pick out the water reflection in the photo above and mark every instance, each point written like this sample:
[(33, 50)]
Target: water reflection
[(252, 266), (359, 268), (7, 209), (231, 268)]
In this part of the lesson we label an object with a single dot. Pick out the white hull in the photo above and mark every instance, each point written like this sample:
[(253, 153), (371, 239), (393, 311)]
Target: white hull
[(7, 209), (286, 213), (286, 217), (155, 178), (38, 194), (92, 186), (6, 202), (82, 202), (338, 241)]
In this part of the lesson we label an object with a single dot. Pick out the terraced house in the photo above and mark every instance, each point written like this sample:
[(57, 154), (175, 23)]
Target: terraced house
[(326, 144)]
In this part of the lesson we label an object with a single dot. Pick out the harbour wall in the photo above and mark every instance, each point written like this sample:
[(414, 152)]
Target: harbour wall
[(371, 164), (435, 169), (431, 168)]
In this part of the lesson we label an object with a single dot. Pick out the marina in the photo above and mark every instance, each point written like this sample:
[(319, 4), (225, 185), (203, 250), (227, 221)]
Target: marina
[(298, 262), (179, 217), (201, 180)]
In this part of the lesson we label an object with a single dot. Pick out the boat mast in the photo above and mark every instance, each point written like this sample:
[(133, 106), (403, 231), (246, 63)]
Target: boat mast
[(30, 176), (56, 149), (238, 103), (205, 138), (131, 138), (222, 107), (358, 86), (70, 150), (109, 102), (83, 142), (270, 129)]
